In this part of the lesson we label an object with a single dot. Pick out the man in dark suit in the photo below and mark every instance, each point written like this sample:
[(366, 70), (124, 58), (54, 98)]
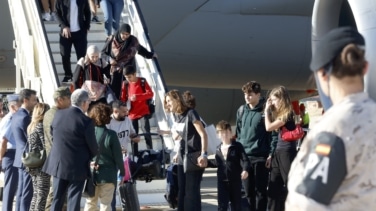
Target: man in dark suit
[(20, 120), (8, 152), (74, 145)]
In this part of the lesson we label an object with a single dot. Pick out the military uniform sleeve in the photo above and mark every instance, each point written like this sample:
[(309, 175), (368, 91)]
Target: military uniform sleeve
[(323, 170)]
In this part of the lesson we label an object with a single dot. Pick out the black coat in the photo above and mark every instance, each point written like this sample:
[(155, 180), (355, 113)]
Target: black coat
[(74, 145), (63, 13), (230, 169)]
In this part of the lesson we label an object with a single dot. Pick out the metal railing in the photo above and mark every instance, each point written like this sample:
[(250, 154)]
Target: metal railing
[(34, 63), (149, 68)]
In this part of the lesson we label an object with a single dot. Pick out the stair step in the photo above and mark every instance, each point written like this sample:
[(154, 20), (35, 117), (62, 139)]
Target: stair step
[(55, 49)]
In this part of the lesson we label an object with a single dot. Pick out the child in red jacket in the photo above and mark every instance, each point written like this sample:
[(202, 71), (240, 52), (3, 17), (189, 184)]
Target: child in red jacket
[(136, 92)]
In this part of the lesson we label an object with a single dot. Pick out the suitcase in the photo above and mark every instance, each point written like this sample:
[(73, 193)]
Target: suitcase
[(151, 164), (128, 191), (129, 197)]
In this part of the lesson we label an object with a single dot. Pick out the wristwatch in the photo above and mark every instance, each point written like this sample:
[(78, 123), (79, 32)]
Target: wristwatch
[(205, 154)]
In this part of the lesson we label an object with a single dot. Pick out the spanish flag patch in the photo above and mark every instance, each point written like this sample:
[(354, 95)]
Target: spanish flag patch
[(323, 149)]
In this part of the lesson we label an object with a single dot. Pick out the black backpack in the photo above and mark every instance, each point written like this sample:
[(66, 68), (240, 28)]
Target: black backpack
[(172, 188), (149, 102)]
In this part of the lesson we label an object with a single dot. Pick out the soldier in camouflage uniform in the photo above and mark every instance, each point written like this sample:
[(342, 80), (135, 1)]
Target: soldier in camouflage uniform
[(62, 101), (335, 170)]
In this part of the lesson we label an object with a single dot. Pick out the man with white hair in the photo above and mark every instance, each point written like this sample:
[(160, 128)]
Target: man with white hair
[(73, 147)]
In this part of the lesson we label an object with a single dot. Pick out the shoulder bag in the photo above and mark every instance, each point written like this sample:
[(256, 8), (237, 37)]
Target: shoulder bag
[(90, 183), (33, 158), (95, 89), (190, 159), (292, 135)]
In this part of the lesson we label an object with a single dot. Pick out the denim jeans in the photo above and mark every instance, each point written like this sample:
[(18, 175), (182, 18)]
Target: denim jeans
[(112, 11)]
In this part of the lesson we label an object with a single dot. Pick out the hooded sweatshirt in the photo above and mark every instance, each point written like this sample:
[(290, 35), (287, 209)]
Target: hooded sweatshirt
[(251, 132)]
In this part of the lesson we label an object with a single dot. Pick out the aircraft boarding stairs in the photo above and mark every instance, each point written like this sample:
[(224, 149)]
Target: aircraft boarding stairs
[(39, 66)]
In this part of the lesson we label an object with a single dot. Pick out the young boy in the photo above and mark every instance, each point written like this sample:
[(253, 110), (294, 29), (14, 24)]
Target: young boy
[(232, 165), (137, 91)]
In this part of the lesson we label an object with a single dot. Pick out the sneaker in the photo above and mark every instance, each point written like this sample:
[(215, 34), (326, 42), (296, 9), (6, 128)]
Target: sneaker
[(46, 16), (67, 79), (53, 16), (95, 19)]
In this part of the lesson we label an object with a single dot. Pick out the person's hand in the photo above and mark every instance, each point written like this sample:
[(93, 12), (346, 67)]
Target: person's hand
[(175, 158), (98, 6), (124, 150), (175, 135), (135, 138), (268, 104), (133, 98), (96, 167), (244, 175), (113, 62), (121, 182), (106, 81), (268, 162), (202, 161), (66, 32)]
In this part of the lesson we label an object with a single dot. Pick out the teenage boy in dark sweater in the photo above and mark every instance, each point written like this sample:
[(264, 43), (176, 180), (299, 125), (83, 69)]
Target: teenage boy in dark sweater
[(232, 165), (251, 133)]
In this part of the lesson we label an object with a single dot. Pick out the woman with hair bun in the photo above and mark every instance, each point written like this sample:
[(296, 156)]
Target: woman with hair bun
[(334, 169)]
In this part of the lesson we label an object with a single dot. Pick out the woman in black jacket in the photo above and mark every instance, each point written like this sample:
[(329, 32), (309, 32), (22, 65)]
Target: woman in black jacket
[(119, 51)]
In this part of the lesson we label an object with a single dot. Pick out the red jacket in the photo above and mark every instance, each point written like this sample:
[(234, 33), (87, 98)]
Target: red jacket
[(139, 107)]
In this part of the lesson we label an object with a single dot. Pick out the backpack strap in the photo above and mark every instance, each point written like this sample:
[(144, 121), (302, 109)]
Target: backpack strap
[(240, 112), (143, 84)]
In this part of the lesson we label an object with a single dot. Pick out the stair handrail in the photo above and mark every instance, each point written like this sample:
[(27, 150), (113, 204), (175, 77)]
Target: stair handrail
[(150, 68), (34, 61)]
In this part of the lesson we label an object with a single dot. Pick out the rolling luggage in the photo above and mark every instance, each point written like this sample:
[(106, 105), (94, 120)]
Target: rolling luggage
[(129, 197), (128, 193)]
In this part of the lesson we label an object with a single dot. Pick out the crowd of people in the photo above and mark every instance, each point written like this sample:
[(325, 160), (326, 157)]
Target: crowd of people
[(84, 132)]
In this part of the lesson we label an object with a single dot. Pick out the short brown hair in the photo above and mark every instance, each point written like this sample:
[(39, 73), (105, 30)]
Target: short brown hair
[(251, 86), (101, 114), (223, 125), (189, 99)]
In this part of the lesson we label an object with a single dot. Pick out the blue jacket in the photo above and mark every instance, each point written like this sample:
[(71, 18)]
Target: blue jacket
[(20, 120)]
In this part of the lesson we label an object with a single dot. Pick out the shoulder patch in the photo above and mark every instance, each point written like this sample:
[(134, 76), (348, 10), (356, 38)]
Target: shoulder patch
[(325, 168)]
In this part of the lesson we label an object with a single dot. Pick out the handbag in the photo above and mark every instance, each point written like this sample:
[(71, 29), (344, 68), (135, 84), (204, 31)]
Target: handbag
[(190, 161), (33, 158), (292, 135), (90, 182), (95, 89), (89, 186), (127, 164)]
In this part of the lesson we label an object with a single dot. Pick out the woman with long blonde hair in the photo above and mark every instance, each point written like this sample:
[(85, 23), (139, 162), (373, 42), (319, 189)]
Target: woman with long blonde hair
[(41, 180), (279, 113)]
